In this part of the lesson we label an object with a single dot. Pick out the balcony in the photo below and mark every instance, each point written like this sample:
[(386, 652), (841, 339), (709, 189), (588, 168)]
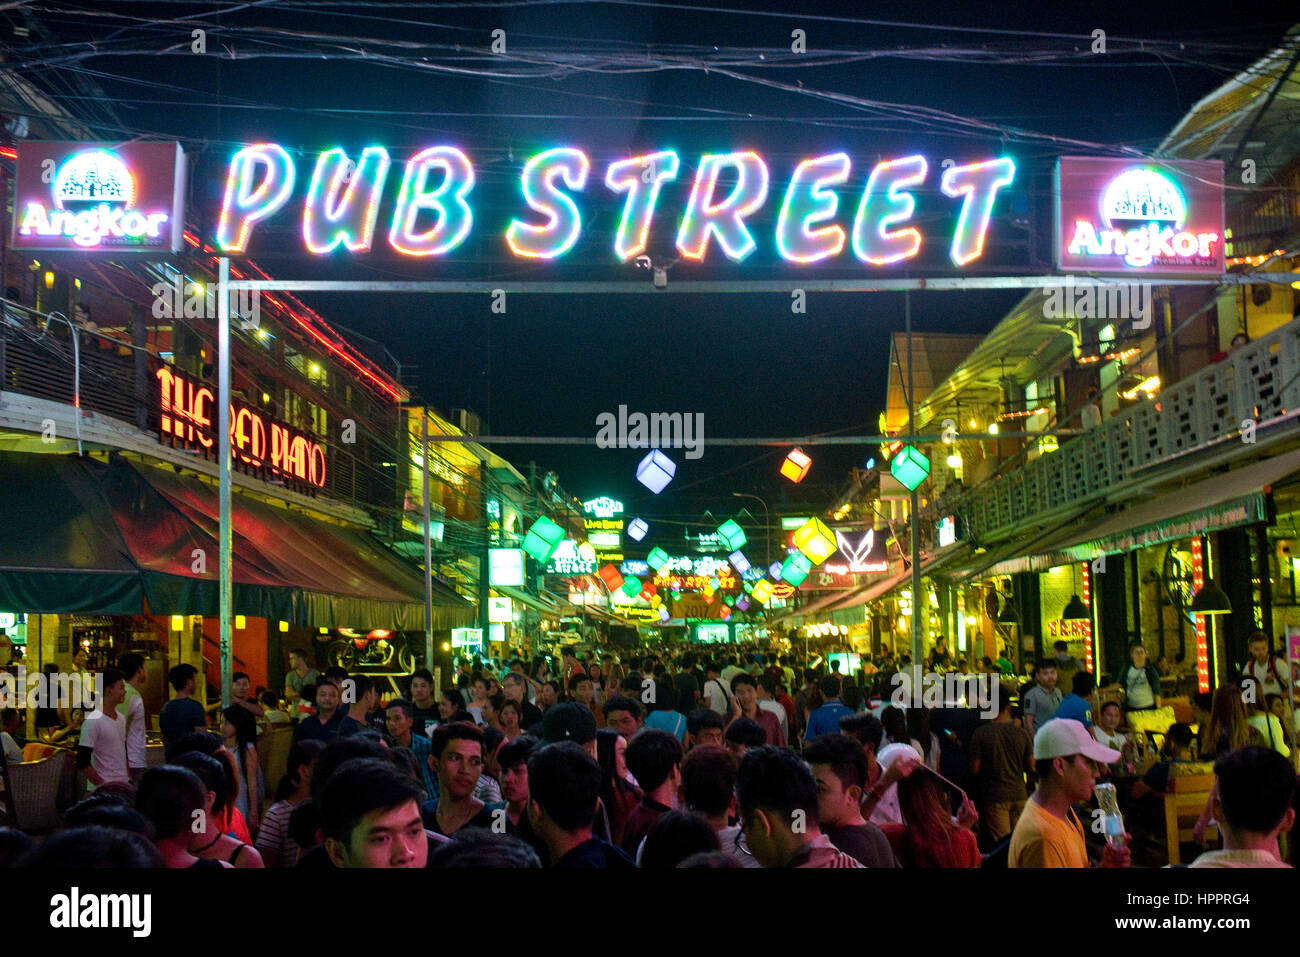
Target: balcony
[(1179, 427)]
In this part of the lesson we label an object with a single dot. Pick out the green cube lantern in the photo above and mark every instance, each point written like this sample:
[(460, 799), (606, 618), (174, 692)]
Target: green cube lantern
[(815, 540), (730, 599), (631, 586), (795, 569), (543, 539), (910, 466), (732, 534), (657, 558)]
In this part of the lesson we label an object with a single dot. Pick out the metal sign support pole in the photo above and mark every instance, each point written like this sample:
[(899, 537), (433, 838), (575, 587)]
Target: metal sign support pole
[(223, 464)]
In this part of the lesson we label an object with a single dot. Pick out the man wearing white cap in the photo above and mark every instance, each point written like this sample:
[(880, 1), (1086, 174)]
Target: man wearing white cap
[(1048, 833)]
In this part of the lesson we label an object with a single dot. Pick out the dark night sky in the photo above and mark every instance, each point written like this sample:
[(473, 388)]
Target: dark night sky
[(552, 363)]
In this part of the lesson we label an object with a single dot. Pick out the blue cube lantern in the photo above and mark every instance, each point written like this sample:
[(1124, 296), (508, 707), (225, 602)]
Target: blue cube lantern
[(637, 529), (774, 570), (543, 539), (656, 471), (739, 562), (731, 533), (795, 569)]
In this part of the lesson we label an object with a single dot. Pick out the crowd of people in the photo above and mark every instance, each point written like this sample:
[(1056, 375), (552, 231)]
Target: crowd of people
[(658, 762)]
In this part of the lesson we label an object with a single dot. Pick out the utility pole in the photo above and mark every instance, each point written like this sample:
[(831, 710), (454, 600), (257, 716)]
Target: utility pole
[(917, 647), (428, 544)]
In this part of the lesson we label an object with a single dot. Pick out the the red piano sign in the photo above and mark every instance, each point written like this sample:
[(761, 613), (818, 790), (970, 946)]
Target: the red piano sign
[(188, 413)]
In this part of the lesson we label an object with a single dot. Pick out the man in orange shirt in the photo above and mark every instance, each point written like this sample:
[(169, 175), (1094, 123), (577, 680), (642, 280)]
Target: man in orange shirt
[(1048, 833)]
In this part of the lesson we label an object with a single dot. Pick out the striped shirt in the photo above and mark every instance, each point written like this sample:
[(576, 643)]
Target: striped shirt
[(821, 853), (274, 834)]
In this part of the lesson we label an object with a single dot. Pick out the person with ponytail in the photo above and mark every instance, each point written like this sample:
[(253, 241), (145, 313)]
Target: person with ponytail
[(274, 841), (239, 729)]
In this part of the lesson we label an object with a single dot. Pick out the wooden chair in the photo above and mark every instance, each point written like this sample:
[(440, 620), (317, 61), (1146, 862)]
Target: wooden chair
[(1189, 789), (273, 754)]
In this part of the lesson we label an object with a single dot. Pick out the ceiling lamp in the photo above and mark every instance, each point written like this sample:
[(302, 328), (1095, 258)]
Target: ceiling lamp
[(1076, 610), (1009, 615), (1211, 600)]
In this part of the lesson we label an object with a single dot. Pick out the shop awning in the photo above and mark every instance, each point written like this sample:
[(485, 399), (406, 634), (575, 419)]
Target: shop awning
[(118, 538), (1221, 501), (542, 603)]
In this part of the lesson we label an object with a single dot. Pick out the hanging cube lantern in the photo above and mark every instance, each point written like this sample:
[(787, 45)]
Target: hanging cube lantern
[(763, 590), (664, 614), (655, 471), (739, 562), (657, 558), (715, 584), (910, 466), (795, 569), (796, 465), (631, 586), (543, 539), (637, 528), (724, 613), (732, 534), (749, 587), (742, 603), (774, 570), (729, 600), (611, 577), (648, 591), (815, 540)]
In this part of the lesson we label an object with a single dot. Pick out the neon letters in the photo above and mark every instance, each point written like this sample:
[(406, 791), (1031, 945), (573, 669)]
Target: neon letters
[(432, 214), (188, 410)]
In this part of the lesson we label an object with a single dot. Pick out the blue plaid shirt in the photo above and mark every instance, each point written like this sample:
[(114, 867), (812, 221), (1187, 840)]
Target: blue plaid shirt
[(422, 748)]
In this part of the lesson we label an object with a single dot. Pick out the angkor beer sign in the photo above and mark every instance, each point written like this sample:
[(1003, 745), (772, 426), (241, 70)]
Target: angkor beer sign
[(1161, 217), (423, 206), (188, 419), (110, 197)]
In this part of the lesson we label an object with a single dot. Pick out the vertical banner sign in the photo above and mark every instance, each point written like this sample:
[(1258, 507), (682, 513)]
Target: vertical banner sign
[(100, 197), (1139, 217)]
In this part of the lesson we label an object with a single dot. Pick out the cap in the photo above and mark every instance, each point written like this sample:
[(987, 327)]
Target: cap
[(569, 721), (1062, 737), (891, 752)]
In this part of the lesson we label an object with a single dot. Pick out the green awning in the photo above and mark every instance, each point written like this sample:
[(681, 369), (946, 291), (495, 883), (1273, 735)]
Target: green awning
[(88, 537)]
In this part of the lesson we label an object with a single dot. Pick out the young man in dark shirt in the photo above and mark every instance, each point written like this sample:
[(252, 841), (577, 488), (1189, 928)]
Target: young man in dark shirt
[(839, 763), (424, 704), (654, 758), (1001, 752), (457, 756), (182, 714), (371, 815), (563, 787), (324, 725)]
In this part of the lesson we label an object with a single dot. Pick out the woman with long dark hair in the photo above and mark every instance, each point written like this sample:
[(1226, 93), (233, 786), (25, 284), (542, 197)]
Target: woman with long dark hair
[(918, 729), (239, 731), (1229, 725), (274, 842), (928, 836), (617, 794), (451, 707)]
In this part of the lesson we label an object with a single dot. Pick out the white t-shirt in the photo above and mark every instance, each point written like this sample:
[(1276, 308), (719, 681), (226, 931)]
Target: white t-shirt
[(1114, 741), (133, 710), (106, 735), (717, 696), (13, 753), (1269, 682), (1270, 729)]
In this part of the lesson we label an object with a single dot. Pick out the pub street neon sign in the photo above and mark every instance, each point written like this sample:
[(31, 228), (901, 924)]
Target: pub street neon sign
[(432, 214)]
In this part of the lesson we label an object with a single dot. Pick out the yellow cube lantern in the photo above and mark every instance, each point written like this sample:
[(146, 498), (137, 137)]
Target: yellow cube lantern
[(796, 465), (815, 540), (762, 590)]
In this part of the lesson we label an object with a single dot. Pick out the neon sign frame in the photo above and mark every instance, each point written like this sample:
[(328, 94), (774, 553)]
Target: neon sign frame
[(341, 206)]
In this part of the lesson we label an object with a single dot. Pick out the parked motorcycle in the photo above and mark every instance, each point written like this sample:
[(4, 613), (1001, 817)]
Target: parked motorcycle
[(379, 650)]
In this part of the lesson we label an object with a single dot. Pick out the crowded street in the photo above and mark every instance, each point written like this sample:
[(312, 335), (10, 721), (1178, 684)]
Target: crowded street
[(574, 436)]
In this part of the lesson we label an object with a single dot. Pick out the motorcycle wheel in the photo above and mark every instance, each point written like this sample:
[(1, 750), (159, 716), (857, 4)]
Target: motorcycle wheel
[(406, 660), (342, 654)]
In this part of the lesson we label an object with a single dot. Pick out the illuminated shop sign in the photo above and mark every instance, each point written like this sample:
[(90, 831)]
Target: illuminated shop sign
[(603, 507), (114, 197), (188, 420), (572, 559), (431, 208), (1157, 216), (858, 554)]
